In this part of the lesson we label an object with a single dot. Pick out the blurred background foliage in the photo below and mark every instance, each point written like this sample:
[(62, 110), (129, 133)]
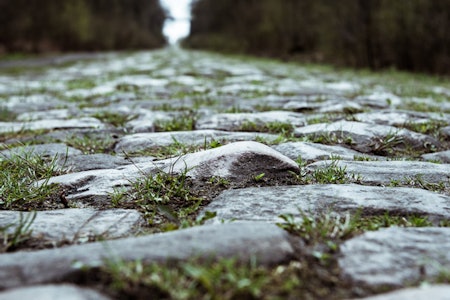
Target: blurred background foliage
[(409, 35), (63, 25)]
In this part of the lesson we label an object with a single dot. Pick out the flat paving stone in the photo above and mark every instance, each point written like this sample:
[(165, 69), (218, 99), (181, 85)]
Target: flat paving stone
[(51, 124), (45, 150), (52, 292), (427, 292), (76, 225), (48, 114), (267, 244), (230, 122), (94, 186), (399, 117), (445, 132), (266, 204), (310, 152), (443, 157), (367, 138), (88, 162), (143, 141), (386, 172), (34, 102), (394, 257)]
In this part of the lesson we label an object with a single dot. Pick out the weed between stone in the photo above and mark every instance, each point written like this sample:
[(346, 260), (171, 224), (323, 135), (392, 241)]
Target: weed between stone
[(91, 145), (330, 139), (185, 121), (270, 127), (219, 279), (332, 173), (431, 127), (176, 148), (115, 119), (419, 182), (19, 190), (168, 201), (315, 275), (331, 229), (6, 115), (13, 239), (172, 201)]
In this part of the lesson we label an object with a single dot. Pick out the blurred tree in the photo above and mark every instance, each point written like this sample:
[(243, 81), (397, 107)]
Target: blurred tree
[(44, 25), (406, 34)]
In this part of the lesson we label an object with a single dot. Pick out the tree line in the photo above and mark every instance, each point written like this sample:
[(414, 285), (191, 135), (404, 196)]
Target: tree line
[(406, 34), (62, 25)]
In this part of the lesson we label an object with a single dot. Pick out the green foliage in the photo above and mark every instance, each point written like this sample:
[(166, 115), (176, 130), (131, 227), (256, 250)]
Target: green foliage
[(83, 83), (270, 127), (166, 199), (329, 228), (323, 228), (19, 174), (376, 222), (185, 121), (429, 127), (331, 174), (115, 119), (90, 145), (20, 234), (386, 145), (6, 115), (419, 182), (259, 177), (330, 138), (222, 279), (408, 35), (176, 148), (46, 25)]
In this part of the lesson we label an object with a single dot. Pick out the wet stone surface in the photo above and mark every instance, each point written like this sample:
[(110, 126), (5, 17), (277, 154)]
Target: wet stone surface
[(171, 155)]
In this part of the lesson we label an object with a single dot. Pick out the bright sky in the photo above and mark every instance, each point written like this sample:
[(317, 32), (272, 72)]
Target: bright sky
[(179, 27)]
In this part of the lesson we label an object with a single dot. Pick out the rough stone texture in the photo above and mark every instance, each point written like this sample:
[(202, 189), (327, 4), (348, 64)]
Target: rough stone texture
[(443, 156), (145, 120), (313, 152), (35, 102), (51, 124), (427, 292), (395, 256), (44, 150), (445, 132), (49, 114), (95, 185), (239, 162), (52, 292), (384, 172), (267, 203), (368, 138), (399, 117), (266, 243), (76, 225), (230, 122), (337, 105), (88, 162), (380, 99), (124, 94), (142, 141)]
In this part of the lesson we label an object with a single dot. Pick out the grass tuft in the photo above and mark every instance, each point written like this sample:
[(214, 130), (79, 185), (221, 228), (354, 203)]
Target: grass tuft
[(11, 240), (19, 174)]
